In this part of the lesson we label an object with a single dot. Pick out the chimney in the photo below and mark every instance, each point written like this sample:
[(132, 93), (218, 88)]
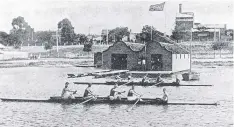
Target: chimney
[(180, 8)]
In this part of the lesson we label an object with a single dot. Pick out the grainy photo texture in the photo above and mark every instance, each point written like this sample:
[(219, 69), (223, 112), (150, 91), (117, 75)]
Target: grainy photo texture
[(73, 63)]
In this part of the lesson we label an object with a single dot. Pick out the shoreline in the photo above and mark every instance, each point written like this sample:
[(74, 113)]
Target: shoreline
[(63, 62)]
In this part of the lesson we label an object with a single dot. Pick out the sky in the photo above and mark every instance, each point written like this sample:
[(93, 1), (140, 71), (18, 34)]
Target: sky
[(93, 16)]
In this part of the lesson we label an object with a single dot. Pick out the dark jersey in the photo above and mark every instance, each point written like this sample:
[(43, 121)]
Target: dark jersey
[(87, 92), (112, 92), (130, 93)]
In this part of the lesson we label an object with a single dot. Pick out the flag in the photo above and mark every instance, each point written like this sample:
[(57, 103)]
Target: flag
[(157, 7)]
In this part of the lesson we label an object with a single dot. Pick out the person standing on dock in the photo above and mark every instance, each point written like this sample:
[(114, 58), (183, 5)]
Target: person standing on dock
[(132, 94), (66, 91), (114, 94), (164, 99), (88, 93)]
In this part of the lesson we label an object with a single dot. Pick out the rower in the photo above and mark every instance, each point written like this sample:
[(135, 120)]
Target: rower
[(65, 93), (88, 93), (129, 77), (177, 82), (164, 99), (114, 94), (159, 79), (133, 95), (71, 96), (118, 78), (144, 79)]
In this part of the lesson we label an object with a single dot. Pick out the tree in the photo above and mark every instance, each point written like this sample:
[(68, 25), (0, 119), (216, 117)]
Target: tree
[(118, 33), (145, 35), (4, 38), (218, 46), (48, 46), (67, 31), (88, 46), (45, 36), (176, 34), (82, 38), (21, 30)]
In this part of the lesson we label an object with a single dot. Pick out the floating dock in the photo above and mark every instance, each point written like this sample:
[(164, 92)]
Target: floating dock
[(86, 74), (111, 73)]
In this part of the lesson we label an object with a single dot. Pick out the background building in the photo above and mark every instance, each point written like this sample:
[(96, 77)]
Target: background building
[(200, 32)]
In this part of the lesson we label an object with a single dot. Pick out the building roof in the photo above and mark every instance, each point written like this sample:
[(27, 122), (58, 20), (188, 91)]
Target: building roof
[(174, 48), (135, 46), (184, 15), (196, 25)]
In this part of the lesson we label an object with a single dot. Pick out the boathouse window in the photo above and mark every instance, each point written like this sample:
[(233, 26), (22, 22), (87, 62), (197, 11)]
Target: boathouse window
[(184, 55), (176, 56), (180, 56)]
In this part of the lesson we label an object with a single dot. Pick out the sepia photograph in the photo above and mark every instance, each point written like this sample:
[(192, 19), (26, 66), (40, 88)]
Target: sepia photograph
[(116, 63)]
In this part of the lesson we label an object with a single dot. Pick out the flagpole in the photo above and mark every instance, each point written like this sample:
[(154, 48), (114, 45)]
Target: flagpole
[(151, 33), (165, 21)]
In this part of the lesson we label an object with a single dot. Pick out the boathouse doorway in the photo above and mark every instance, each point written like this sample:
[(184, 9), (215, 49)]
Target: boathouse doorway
[(119, 61), (156, 62)]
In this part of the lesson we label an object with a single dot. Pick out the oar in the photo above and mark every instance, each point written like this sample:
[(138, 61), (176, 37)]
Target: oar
[(134, 104), (125, 84), (157, 83), (86, 101)]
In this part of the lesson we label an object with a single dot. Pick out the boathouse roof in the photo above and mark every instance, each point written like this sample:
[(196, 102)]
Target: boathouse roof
[(135, 46), (174, 48)]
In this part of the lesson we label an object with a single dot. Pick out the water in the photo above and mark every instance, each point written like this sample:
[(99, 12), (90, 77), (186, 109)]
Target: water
[(41, 83)]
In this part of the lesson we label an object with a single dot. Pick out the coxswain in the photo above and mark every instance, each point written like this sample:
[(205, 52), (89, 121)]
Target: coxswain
[(133, 95), (66, 92), (88, 93), (114, 94), (164, 98)]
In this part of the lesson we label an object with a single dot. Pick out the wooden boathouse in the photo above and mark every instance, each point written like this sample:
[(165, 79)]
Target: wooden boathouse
[(155, 56)]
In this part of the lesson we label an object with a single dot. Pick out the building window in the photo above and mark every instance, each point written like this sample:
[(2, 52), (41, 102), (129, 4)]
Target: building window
[(176, 56), (184, 55), (180, 56)]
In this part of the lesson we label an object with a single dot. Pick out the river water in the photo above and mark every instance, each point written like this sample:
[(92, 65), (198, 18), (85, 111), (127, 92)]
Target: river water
[(42, 82)]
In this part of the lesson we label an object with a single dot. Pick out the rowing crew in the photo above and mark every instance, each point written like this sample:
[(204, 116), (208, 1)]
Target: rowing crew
[(114, 94)]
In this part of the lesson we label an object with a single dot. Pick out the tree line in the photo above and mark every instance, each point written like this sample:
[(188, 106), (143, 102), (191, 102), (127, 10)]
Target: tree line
[(23, 34)]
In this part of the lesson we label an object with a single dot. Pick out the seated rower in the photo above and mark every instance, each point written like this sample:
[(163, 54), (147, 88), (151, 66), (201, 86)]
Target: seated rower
[(159, 79), (65, 93), (71, 96), (88, 94), (118, 78), (164, 99), (114, 94), (177, 82), (133, 95), (144, 80), (129, 77)]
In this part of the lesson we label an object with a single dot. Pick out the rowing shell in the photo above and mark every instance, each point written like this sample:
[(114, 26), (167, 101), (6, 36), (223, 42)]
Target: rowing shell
[(138, 83), (104, 100)]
